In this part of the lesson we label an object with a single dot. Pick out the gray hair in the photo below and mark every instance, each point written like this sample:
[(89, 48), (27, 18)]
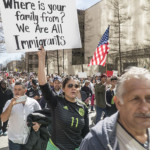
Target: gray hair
[(130, 73)]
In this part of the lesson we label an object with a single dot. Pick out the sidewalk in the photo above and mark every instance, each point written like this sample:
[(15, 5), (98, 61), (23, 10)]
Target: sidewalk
[(4, 143), (4, 139)]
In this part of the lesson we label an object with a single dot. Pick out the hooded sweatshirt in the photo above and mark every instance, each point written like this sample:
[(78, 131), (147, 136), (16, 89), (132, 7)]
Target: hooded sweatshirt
[(102, 136)]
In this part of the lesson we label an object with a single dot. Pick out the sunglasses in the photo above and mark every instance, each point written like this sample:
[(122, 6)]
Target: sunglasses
[(71, 85)]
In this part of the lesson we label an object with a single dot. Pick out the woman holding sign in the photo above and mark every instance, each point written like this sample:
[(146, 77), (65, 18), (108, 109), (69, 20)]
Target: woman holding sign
[(69, 115)]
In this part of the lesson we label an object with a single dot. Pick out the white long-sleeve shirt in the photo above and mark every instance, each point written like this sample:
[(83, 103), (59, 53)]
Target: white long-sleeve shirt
[(18, 131)]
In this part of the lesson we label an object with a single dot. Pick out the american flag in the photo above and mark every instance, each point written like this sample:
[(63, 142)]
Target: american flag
[(99, 57)]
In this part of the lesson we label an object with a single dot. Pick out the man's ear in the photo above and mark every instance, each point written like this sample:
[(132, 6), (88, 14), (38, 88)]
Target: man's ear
[(118, 103)]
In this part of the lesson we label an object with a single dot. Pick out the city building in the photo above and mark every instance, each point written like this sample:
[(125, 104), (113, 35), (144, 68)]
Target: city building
[(129, 39), (16, 65), (129, 32)]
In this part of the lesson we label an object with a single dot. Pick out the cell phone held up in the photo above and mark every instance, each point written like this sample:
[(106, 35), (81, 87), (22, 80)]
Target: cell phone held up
[(21, 99)]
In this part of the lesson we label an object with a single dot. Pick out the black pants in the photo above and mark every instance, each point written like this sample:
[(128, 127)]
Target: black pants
[(4, 127)]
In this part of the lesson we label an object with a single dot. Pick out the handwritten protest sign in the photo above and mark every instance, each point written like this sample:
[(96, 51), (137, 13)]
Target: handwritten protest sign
[(28, 24), (98, 74), (82, 74), (115, 73)]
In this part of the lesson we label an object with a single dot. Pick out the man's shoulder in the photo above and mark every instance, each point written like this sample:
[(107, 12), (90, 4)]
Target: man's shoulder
[(6, 105), (31, 100), (102, 131), (94, 140), (8, 102)]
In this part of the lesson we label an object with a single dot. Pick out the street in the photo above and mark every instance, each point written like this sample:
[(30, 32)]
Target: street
[(4, 139)]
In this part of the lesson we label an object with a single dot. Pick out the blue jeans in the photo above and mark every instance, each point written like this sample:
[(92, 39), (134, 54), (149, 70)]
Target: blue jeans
[(14, 146), (99, 112)]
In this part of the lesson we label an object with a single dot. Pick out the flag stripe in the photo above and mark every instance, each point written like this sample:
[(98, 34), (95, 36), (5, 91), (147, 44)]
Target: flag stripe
[(100, 54)]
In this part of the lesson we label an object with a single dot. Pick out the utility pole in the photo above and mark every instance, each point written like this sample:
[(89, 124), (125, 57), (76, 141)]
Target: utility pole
[(63, 61), (28, 62), (46, 62), (58, 62), (82, 68)]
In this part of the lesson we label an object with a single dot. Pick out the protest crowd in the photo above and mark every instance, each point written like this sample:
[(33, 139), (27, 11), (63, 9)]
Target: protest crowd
[(50, 112), (40, 111)]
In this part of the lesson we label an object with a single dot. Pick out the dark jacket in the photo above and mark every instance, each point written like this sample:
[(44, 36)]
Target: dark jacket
[(87, 90), (102, 136), (100, 95), (111, 107), (38, 140), (31, 92), (4, 97), (83, 95)]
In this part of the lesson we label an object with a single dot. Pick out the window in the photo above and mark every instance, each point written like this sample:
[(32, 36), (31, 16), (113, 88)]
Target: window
[(110, 67), (30, 57), (77, 57)]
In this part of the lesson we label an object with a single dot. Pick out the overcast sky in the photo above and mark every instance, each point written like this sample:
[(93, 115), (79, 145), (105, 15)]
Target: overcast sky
[(80, 4), (84, 4)]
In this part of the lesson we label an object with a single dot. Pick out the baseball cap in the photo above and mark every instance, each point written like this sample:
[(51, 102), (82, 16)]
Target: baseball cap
[(87, 81), (57, 78), (35, 82)]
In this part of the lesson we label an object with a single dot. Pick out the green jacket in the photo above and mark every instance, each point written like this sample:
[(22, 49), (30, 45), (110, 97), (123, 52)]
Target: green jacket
[(100, 95)]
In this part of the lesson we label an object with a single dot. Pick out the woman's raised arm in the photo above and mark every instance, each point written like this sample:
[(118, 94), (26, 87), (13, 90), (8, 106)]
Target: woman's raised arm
[(41, 69)]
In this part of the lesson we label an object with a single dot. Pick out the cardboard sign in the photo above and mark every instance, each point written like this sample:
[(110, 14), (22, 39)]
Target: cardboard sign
[(115, 73), (28, 24), (98, 74), (82, 74)]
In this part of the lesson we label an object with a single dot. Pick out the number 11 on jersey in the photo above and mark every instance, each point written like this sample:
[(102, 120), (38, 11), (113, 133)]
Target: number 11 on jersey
[(77, 121)]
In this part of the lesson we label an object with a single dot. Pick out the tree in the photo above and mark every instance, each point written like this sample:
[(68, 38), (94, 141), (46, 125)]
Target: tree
[(55, 57), (119, 20), (146, 10)]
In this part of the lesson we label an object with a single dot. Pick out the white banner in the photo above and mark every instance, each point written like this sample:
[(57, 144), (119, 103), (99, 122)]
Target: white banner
[(28, 24), (82, 74), (98, 74)]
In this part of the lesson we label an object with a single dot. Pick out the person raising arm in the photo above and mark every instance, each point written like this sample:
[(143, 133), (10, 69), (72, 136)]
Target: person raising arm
[(70, 121)]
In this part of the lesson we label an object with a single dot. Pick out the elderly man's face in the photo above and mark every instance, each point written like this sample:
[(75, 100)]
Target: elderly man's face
[(135, 112)]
